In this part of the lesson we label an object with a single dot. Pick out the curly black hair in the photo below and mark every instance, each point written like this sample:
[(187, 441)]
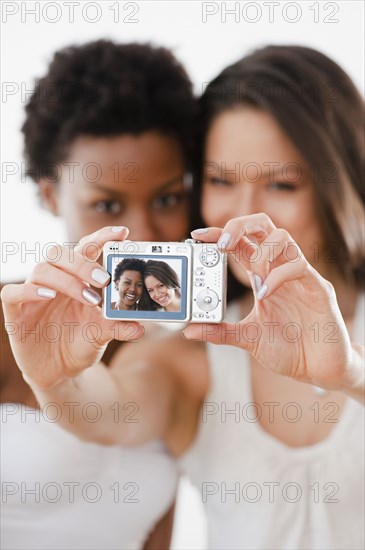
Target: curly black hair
[(105, 89), (129, 264)]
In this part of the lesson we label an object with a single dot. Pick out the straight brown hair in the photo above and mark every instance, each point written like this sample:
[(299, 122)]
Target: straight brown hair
[(319, 108)]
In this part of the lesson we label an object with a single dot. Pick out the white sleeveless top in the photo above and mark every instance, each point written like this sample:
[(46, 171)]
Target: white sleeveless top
[(259, 493), (59, 492)]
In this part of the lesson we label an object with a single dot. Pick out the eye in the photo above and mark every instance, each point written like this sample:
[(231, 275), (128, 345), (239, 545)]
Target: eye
[(167, 201), (218, 182), (281, 186), (107, 207)]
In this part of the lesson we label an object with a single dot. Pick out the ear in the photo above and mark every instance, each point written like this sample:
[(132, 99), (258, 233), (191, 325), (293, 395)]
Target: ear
[(49, 194)]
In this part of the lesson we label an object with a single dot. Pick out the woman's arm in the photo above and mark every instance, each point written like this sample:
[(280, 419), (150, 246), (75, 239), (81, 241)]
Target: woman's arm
[(291, 299), (67, 369), (160, 537), (13, 387)]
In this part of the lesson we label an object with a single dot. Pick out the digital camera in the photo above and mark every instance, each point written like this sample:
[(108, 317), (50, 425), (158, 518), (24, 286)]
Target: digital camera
[(162, 281)]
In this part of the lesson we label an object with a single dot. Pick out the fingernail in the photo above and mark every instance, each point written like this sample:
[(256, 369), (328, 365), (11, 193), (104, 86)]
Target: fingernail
[(257, 282), (91, 296), (46, 293), (200, 231), (189, 336), (100, 276), (261, 293), (224, 240), (118, 228)]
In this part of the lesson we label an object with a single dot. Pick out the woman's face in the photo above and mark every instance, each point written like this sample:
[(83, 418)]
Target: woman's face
[(130, 288), (158, 291), (250, 167), (136, 181)]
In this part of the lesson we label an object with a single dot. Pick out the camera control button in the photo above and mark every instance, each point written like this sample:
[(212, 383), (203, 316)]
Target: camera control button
[(199, 271), (209, 256), (207, 300)]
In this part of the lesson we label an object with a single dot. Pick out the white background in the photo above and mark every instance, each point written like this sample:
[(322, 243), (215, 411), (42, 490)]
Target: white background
[(204, 47)]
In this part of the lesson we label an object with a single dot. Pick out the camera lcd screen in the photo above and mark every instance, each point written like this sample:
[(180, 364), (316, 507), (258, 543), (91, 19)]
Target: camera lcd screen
[(147, 287)]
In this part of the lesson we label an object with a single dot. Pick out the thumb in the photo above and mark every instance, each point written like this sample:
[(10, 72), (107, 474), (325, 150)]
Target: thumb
[(229, 334), (120, 330)]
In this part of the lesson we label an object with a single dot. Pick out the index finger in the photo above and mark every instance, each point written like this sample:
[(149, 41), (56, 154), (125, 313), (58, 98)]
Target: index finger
[(91, 246), (258, 226), (207, 234)]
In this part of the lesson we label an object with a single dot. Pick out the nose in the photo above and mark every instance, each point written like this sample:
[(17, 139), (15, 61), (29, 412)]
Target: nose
[(140, 224), (156, 295), (246, 202)]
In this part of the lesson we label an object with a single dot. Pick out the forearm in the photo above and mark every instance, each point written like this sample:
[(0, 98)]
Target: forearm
[(355, 380), (88, 405)]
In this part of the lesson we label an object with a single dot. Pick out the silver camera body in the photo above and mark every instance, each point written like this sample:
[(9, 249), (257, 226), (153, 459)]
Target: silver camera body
[(181, 281)]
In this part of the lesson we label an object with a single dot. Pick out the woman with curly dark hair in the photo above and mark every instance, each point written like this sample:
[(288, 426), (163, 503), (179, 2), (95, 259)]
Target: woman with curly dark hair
[(108, 141), (128, 280)]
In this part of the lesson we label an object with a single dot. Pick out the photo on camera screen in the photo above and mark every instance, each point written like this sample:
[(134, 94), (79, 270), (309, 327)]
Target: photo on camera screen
[(147, 287)]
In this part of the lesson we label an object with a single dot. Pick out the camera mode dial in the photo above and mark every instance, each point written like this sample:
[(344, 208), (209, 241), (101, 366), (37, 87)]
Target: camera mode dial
[(209, 256)]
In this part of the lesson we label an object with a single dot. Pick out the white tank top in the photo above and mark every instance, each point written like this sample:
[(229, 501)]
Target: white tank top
[(259, 493), (59, 492)]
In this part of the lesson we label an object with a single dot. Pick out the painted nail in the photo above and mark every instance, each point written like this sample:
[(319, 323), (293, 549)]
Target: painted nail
[(100, 276), (257, 282), (320, 391), (261, 293), (118, 228), (200, 231), (91, 296), (224, 240), (46, 293), (187, 336)]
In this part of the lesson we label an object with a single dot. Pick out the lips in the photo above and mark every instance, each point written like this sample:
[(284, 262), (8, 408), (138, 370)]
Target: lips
[(162, 300), (130, 297)]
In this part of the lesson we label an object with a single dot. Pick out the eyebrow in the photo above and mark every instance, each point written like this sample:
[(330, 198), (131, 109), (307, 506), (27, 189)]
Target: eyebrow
[(162, 187), (273, 172)]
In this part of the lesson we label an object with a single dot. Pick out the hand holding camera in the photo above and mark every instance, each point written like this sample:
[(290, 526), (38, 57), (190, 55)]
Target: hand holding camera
[(55, 325)]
